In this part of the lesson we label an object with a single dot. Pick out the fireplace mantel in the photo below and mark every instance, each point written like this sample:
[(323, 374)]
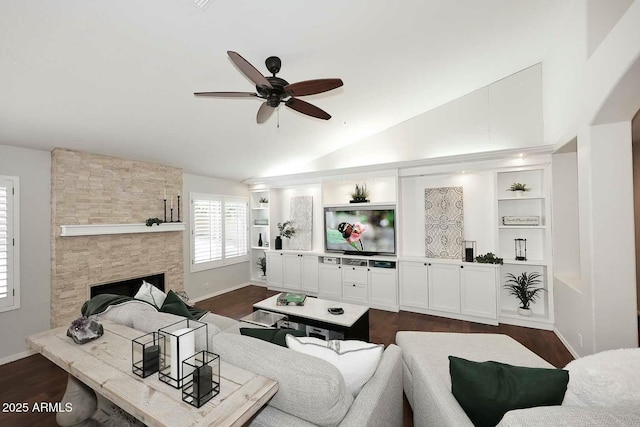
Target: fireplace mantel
[(102, 229)]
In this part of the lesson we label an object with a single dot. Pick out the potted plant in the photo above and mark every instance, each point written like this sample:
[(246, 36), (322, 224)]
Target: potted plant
[(489, 258), (524, 287), (518, 189), (286, 230), (264, 202), (262, 265), (360, 194)]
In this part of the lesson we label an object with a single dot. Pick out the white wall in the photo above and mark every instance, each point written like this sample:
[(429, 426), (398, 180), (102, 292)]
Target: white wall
[(280, 212), (217, 280), (478, 198), (579, 93), (601, 17), (34, 170), (505, 114), (566, 217)]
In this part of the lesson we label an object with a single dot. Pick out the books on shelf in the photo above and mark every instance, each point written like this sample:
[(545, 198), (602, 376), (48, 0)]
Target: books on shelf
[(288, 298)]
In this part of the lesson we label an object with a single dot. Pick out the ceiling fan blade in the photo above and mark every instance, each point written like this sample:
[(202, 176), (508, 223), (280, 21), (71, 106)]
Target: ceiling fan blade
[(264, 112), (249, 70), (227, 94), (306, 108), (311, 87)]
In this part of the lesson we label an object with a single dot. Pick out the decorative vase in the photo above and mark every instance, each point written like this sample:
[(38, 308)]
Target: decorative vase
[(525, 312), (260, 239), (518, 193), (359, 201), (278, 243)]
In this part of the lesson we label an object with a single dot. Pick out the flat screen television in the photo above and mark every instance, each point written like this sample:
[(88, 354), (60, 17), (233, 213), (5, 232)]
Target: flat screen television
[(367, 230)]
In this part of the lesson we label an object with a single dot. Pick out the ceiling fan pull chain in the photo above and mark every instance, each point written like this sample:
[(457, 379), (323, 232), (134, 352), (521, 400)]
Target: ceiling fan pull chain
[(278, 112)]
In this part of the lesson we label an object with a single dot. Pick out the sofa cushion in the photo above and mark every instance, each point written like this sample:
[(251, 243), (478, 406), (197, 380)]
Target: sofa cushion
[(175, 305), (487, 390), (609, 378), (308, 387), (356, 360), (272, 335), (150, 294)]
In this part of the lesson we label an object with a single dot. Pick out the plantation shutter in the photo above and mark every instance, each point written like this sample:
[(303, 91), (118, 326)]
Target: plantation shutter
[(235, 227), (6, 244), (207, 230)]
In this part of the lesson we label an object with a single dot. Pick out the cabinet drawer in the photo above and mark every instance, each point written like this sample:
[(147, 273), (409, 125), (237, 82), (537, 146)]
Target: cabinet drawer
[(355, 292), (354, 274)]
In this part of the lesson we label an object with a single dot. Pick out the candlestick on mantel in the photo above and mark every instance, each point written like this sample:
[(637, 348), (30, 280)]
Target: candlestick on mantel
[(171, 215), (178, 208), (165, 209)]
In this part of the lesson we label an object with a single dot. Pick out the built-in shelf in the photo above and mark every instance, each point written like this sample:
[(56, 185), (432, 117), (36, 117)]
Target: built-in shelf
[(535, 317), (521, 198), (258, 209), (261, 225), (103, 229), (527, 262), (263, 248), (515, 227)]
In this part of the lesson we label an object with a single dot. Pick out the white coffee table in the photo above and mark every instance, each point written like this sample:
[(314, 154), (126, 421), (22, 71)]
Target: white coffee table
[(353, 323)]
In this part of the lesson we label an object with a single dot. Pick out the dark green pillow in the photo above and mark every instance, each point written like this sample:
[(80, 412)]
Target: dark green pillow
[(173, 304), (487, 390), (275, 336)]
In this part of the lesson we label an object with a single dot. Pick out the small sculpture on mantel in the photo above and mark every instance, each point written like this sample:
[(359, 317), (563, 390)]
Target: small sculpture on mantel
[(152, 221)]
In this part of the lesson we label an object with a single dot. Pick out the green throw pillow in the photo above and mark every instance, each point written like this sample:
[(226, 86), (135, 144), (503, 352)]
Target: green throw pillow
[(275, 336), (488, 390), (173, 304)]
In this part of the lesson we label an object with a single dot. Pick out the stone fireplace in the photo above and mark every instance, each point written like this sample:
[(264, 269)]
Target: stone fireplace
[(94, 189)]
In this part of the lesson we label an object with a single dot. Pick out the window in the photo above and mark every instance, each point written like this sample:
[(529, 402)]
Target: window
[(219, 231), (9, 267)]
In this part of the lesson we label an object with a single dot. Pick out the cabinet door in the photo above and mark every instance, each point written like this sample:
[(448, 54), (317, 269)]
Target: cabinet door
[(292, 272), (413, 284), (478, 286), (355, 292), (310, 273), (354, 274), (444, 287), (274, 269), (330, 285), (383, 286)]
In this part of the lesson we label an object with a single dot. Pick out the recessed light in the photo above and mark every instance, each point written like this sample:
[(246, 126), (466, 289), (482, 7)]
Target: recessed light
[(521, 154), (464, 171)]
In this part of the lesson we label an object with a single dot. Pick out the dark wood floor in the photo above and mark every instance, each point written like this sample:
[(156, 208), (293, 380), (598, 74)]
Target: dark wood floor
[(34, 379)]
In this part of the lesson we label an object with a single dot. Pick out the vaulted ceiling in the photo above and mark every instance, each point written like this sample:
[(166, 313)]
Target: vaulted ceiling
[(117, 77)]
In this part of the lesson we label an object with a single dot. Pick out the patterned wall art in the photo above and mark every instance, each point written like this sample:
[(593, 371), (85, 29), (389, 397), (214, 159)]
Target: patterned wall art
[(301, 215), (444, 222)]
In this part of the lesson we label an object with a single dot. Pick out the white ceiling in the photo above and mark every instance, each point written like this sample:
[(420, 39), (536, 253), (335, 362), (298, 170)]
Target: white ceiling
[(117, 77)]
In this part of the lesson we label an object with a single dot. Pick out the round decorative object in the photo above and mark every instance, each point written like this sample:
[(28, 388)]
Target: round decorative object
[(525, 312)]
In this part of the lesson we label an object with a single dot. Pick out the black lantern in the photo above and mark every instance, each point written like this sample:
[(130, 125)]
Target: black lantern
[(468, 250), (201, 378), (521, 249)]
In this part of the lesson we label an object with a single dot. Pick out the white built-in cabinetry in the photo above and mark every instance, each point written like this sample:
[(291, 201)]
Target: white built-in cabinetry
[(457, 289), (293, 271), (535, 202), (259, 231), (369, 281)]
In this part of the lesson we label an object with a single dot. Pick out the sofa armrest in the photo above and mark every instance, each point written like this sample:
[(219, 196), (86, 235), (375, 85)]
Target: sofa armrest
[(433, 402), (565, 416), (379, 403)]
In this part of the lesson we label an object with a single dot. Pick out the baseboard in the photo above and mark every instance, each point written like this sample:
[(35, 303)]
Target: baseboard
[(215, 294), (566, 344), (17, 356)]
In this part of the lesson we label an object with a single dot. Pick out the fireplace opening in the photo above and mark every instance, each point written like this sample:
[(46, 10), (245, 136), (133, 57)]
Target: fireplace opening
[(128, 287)]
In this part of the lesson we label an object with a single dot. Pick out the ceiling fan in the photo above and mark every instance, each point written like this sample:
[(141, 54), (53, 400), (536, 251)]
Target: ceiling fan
[(275, 90)]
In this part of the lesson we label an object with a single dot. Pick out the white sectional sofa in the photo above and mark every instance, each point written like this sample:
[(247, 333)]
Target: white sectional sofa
[(427, 383)]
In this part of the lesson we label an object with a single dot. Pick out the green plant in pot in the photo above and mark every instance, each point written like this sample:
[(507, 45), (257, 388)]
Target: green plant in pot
[(263, 202), (518, 188), (286, 230), (262, 265), (525, 288), (360, 194)]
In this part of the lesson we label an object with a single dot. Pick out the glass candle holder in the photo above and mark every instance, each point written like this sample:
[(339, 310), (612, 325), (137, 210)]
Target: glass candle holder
[(200, 378), (145, 354), (468, 250), (181, 340)]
